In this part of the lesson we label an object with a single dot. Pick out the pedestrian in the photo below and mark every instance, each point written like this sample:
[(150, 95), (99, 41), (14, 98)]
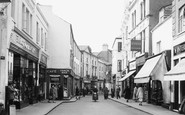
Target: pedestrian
[(10, 96), (140, 94), (77, 92), (134, 94), (84, 91), (118, 92), (106, 93), (11, 92), (127, 93), (40, 94), (51, 94), (112, 92), (55, 95), (60, 92)]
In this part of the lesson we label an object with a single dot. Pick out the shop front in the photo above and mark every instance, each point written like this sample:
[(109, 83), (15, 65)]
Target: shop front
[(151, 76), (22, 68), (62, 79), (177, 78), (42, 77)]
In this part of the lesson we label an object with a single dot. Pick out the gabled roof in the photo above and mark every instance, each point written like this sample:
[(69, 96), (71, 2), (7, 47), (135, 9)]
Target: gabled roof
[(96, 53), (85, 48)]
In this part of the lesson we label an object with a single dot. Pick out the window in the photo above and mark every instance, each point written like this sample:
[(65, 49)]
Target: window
[(134, 19), (37, 31), (181, 19), (119, 46), (23, 16), (159, 47), (143, 38), (26, 20), (42, 39), (141, 5), (13, 9), (31, 22), (119, 65), (45, 41)]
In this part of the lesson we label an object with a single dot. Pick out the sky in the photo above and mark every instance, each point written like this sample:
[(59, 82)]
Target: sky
[(94, 22)]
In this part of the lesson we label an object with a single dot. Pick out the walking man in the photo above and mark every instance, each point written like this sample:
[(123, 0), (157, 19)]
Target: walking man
[(118, 92)]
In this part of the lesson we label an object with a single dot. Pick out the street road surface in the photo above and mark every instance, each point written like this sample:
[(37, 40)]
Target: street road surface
[(85, 106)]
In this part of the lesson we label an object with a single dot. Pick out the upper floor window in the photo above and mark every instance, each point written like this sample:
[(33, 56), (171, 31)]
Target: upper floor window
[(142, 6), (13, 9), (181, 19), (45, 41), (26, 20), (158, 47), (134, 19), (38, 33), (119, 65), (119, 46), (42, 38)]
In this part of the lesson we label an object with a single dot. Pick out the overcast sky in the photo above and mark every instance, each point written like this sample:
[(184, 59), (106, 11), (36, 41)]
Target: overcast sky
[(94, 22)]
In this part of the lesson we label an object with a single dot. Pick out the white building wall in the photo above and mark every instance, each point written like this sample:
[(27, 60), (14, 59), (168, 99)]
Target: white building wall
[(163, 33), (115, 57), (58, 40)]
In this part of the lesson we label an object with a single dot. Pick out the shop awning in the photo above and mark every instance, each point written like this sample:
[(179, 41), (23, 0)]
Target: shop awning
[(146, 71), (127, 75), (177, 73)]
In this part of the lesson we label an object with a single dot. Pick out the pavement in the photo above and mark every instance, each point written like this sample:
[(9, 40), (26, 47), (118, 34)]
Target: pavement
[(147, 108), (43, 108)]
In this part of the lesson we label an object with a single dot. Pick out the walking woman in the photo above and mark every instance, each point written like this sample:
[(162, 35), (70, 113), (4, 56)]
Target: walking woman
[(134, 93), (140, 94), (127, 93)]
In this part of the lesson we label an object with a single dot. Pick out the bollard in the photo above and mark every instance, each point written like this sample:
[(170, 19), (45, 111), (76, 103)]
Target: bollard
[(12, 110)]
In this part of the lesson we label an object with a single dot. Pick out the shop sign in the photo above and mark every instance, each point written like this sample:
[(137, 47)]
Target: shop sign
[(54, 75), (136, 45), (43, 59), (132, 65), (179, 49), (58, 71), (55, 79), (141, 60), (24, 44)]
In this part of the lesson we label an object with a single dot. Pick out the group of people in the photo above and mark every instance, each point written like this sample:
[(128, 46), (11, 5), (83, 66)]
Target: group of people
[(137, 93), (53, 93)]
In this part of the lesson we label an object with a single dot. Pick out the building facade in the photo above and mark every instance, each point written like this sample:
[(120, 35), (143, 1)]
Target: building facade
[(176, 74), (117, 62), (24, 51), (65, 58), (141, 17)]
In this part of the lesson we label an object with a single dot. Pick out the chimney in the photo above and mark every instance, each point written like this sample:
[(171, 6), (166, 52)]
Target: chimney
[(105, 47)]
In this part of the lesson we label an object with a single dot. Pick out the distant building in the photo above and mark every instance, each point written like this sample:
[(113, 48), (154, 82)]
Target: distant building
[(64, 63), (117, 61)]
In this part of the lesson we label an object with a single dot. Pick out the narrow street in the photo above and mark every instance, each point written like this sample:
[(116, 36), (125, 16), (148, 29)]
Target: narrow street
[(85, 106)]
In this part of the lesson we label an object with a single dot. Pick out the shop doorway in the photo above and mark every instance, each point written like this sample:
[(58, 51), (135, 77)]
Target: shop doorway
[(176, 94)]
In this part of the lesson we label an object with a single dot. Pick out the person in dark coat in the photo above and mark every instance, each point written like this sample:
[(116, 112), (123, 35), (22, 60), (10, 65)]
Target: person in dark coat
[(84, 91), (77, 92), (118, 92), (60, 92), (112, 92), (127, 93), (106, 93)]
